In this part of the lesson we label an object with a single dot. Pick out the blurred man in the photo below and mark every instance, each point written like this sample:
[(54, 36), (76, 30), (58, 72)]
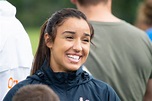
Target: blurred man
[(35, 92), (144, 17), (122, 55), (15, 49)]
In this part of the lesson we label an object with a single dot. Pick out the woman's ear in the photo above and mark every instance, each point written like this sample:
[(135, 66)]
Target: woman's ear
[(48, 40)]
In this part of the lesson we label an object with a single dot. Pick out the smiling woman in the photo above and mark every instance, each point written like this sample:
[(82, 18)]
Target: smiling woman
[(63, 48), (73, 51)]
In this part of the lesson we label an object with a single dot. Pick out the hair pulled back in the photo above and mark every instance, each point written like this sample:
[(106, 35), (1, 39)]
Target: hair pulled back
[(50, 26)]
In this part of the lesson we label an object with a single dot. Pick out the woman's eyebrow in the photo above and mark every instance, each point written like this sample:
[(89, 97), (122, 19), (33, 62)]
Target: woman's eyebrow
[(86, 34), (70, 32)]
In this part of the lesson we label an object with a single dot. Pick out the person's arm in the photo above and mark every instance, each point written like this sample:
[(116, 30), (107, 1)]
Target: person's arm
[(148, 94)]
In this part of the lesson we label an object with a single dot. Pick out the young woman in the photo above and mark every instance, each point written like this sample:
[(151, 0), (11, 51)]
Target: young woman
[(64, 46)]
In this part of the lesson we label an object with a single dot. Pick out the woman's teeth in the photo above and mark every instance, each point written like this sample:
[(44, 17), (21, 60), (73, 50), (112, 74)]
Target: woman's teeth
[(74, 57)]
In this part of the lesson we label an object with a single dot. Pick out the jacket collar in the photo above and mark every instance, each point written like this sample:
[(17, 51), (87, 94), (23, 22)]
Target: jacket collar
[(64, 79)]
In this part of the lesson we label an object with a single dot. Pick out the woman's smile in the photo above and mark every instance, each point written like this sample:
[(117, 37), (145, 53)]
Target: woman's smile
[(74, 58)]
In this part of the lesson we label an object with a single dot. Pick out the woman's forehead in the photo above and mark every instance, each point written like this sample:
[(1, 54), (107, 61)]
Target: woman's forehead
[(75, 23)]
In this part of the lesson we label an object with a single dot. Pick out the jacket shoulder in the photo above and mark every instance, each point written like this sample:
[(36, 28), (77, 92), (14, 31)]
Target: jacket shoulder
[(104, 90), (29, 80)]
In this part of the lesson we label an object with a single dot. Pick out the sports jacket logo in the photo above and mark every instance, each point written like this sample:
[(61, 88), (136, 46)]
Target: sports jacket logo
[(81, 99)]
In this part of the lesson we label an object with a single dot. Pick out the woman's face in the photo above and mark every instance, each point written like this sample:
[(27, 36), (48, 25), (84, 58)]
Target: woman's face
[(71, 45)]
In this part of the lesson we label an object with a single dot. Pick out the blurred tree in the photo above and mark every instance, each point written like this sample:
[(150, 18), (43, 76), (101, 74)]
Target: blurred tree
[(32, 13), (126, 9)]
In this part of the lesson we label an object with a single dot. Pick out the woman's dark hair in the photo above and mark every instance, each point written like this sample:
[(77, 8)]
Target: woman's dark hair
[(50, 27)]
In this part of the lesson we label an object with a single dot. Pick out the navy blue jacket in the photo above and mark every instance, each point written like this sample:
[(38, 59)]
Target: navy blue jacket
[(75, 86)]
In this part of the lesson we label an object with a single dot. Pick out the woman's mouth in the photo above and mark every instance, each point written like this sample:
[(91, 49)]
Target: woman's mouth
[(74, 58)]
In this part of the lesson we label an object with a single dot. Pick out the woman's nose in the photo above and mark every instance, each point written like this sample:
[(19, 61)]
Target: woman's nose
[(77, 46)]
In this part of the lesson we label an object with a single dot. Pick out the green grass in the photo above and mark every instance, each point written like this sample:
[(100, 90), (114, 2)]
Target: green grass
[(34, 38)]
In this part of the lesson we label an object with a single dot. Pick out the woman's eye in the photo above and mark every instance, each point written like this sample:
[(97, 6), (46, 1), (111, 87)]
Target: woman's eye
[(69, 37), (86, 40)]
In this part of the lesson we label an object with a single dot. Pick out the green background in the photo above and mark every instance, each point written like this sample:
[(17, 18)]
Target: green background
[(33, 13)]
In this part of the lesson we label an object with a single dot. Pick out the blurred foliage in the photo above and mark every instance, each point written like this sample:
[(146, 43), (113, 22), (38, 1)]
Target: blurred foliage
[(126, 9), (32, 13), (34, 34)]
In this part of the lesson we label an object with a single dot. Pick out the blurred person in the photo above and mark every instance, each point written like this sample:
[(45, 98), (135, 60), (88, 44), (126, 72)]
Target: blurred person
[(63, 47), (144, 17), (122, 56), (15, 49), (35, 92)]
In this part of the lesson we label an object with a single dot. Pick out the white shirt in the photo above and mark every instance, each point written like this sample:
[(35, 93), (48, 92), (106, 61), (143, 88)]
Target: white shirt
[(15, 49)]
